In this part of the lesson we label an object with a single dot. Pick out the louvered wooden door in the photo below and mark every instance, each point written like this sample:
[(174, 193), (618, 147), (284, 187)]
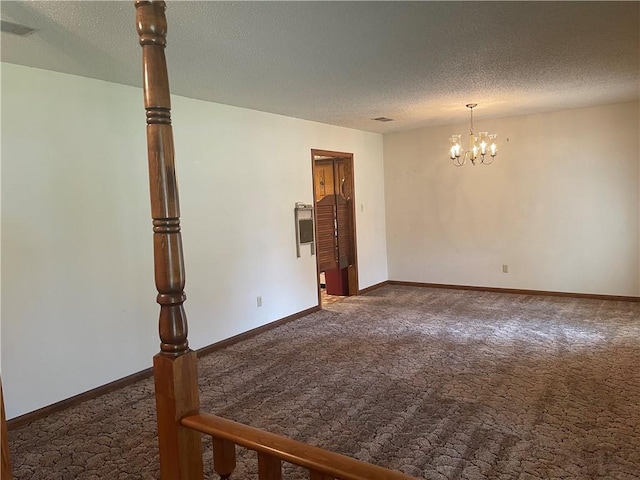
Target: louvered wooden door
[(343, 220), (326, 233), (334, 214)]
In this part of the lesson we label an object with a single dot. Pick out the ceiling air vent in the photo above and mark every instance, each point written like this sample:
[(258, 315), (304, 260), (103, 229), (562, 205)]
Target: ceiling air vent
[(383, 119), (16, 28)]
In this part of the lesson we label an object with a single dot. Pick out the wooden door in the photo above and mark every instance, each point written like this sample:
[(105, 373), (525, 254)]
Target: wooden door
[(343, 180), (335, 213), (325, 215)]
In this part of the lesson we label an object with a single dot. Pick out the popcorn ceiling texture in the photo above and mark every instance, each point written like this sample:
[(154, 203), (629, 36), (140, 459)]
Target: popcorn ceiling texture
[(439, 384), (345, 63)]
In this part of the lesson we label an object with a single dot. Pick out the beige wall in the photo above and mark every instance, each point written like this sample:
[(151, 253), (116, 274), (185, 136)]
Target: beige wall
[(78, 299), (78, 306), (560, 205)]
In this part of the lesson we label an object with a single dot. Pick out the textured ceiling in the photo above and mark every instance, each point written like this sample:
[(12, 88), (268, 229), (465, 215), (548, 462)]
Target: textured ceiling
[(345, 63)]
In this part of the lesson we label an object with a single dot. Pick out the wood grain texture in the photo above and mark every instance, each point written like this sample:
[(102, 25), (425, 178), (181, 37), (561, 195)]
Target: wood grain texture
[(176, 389), (315, 475), (341, 248), (344, 238), (224, 457), (269, 467), (325, 233), (5, 469), (307, 456), (323, 179), (175, 373), (163, 188)]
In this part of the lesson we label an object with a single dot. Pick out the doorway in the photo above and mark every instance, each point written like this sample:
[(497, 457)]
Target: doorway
[(333, 191)]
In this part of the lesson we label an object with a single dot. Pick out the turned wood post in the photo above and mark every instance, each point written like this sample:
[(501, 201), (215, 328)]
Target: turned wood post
[(224, 457), (5, 469), (176, 378)]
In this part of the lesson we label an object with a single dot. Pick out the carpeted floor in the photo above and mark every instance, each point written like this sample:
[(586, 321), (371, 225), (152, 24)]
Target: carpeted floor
[(440, 384)]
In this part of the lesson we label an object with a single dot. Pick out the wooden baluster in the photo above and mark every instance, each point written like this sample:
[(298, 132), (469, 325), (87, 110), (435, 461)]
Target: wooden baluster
[(5, 469), (176, 378), (315, 475), (269, 468), (224, 457)]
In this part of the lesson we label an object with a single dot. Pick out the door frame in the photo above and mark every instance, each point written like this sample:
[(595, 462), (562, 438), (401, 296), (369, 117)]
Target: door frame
[(352, 270)]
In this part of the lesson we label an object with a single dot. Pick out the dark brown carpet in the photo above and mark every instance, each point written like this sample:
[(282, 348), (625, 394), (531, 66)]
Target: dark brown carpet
[(440, 384)]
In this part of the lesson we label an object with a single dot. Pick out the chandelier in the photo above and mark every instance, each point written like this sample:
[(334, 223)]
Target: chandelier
[(482, 149)]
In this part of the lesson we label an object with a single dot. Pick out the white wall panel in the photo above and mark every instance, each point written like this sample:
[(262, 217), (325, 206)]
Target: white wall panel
[(560, 205), (78, 299)]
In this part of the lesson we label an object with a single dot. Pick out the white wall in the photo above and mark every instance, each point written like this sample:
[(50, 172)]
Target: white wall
[(78, 300), (560, 205)]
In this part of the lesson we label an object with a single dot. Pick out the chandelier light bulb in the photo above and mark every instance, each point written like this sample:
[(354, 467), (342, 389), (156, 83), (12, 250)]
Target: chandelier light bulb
[(483, 143), (455, 150), (493, 148)]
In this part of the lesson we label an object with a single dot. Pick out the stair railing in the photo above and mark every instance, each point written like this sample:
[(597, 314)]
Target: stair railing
[(180, 423)]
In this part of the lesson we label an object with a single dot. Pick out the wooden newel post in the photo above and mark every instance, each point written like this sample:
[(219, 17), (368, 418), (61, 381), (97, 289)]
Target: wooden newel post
[(176, 378), (5, 468)]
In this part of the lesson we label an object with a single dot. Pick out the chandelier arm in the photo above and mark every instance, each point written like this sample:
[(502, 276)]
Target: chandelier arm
[(457, 162)]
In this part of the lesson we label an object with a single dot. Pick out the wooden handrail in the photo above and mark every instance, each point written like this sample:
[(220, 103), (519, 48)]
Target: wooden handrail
[(312, 458)]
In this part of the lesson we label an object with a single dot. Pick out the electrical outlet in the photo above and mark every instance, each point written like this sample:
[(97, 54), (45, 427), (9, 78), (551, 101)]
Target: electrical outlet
[(505, 268), (259, 301)]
